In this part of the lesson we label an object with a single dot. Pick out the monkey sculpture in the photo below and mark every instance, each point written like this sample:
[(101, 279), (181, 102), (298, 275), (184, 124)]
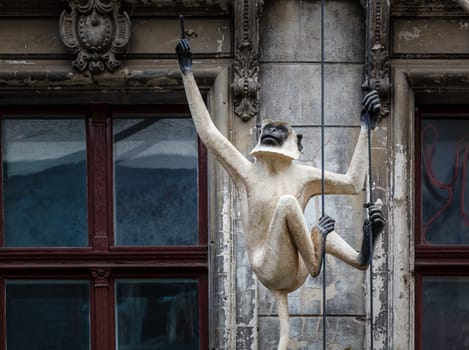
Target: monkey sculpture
[(274, 191)]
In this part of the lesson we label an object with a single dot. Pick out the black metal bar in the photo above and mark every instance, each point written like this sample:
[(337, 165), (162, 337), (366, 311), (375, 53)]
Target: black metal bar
[(324, 318), (370, 175), (371, 235)]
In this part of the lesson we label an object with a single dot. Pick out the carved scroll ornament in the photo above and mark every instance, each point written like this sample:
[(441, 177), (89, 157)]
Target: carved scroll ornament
[(245, 84), (96, 30), (379, 74)]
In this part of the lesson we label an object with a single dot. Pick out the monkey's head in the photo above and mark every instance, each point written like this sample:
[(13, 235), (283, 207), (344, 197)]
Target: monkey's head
[(277, 137)]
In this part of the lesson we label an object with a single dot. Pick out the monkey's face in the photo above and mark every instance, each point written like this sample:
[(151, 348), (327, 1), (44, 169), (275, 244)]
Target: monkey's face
[(277, 138), (274, 135)]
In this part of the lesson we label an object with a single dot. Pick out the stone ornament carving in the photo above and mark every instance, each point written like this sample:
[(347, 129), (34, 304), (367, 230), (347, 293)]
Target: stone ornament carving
[(246, 65), (273, 194), (379, 75), (246, 82), (96, 30)]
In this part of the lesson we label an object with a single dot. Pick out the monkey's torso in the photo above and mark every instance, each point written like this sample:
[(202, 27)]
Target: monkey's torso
[(272, 255)]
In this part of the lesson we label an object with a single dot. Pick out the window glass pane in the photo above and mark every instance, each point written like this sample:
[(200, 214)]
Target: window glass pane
[(52, 315), (445, 157), (155, 172), (157, 314), (44, 183), (445, 313)]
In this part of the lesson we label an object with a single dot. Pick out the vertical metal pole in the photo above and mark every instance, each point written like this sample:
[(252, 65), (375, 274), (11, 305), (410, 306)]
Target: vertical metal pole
[(371, 238), (324, 318), (370, 177)]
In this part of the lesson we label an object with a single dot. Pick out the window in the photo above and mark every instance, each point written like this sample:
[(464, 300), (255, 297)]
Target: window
[(53, 313), (104, 228), (44, 182), (155, 182), (442, 228)]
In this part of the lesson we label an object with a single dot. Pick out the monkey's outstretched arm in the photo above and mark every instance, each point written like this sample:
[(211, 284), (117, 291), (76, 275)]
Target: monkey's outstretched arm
[(230, 158), (352, 182), (349, 183)]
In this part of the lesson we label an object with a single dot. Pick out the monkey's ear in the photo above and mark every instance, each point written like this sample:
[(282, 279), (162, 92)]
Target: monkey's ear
[(299, 138)]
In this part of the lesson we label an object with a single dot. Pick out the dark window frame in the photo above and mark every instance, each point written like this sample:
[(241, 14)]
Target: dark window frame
[(432, 259), (101, 262)]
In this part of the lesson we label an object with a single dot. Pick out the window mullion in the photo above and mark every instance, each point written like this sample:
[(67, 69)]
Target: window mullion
[(102, 320), (100, 194), (3, 318), (203, 312), (203, 194), (2, 229)]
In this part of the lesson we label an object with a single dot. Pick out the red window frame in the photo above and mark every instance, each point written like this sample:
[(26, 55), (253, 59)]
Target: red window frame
[(101, 262), (432, 259)]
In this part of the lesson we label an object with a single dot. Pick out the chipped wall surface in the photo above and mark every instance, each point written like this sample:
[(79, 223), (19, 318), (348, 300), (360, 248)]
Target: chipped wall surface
[(150, 36), (431, 36), (429, 65)]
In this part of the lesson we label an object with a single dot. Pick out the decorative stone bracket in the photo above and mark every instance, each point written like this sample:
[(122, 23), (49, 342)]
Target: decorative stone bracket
[(379, 75), (246, 65), (246, 82), (96, 30)]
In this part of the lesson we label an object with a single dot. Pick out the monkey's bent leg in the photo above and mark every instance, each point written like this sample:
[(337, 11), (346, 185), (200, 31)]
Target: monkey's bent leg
[(289, 212), (281, 298), (338, 247)]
